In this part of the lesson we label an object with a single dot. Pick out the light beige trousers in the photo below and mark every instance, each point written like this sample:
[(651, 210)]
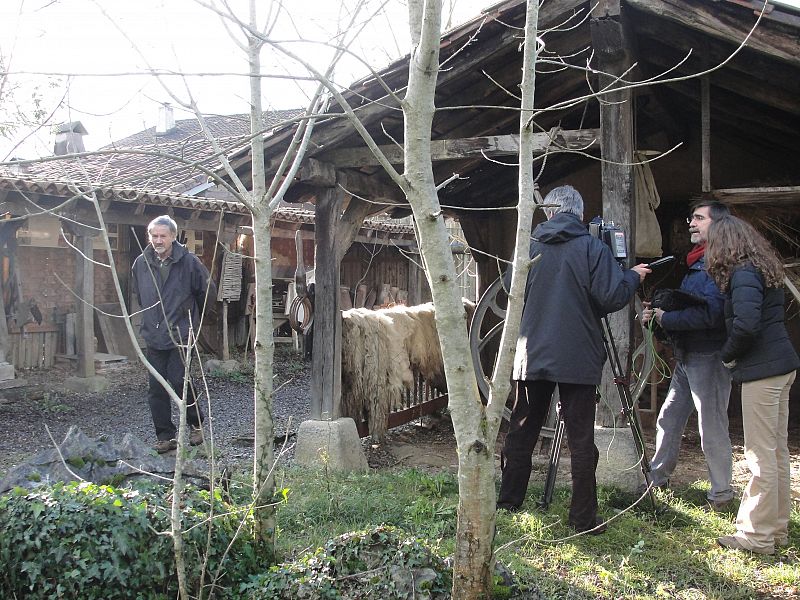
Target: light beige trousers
[(763, 519)]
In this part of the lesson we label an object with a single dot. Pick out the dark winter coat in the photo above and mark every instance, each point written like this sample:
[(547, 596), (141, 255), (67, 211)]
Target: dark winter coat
[(570, 288), (183, 293), (757, 337), (699, 328)]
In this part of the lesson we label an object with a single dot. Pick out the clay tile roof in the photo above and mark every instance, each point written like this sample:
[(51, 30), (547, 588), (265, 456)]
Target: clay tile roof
[(66, 189), (174, 163)]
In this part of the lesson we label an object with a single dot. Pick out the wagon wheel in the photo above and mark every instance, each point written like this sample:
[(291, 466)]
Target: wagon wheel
[(301, 314), (494, 299)]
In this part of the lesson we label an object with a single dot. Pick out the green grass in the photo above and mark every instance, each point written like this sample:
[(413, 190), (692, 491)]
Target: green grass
[(672, 556)]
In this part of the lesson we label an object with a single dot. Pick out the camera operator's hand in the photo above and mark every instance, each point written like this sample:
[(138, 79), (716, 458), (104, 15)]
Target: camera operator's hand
[(642, 271)]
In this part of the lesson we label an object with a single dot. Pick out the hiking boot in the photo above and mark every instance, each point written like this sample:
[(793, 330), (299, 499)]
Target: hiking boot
[(196, 437), (163, 446), (720, 505), (733, 542)]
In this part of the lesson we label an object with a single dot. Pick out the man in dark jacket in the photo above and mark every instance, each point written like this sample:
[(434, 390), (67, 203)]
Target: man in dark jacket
[(700, 380), (171, 285), (574, 284)]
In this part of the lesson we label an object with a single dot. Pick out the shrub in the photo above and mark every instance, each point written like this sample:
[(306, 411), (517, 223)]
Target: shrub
[(368, 565), (81, 540)]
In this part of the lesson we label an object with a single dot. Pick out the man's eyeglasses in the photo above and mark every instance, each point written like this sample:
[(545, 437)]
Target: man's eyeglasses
[(697, 218)]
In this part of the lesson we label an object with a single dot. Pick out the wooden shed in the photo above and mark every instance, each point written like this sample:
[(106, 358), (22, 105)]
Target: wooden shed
[(702, 96)]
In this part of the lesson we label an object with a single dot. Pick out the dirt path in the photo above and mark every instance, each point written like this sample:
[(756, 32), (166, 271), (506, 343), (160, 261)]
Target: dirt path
[(433, 446)]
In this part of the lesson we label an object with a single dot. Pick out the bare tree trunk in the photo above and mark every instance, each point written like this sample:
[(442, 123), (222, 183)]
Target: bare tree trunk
[(264, 347), (476, 426)]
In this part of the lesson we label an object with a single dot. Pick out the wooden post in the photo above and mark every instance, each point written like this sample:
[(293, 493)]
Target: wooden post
[(616, 134), (705, 119), (84, 282), (327, 357), (226, 351)]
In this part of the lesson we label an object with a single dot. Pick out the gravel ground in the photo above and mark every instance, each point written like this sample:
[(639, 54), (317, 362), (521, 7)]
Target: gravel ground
[(31, 417), (26, 415)]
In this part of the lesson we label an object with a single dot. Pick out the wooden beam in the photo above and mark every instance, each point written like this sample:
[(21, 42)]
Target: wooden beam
[(318, 173), (326, 366), (84, 323), (458, 149), (374, 187), (758, 195), (612, 51), (773, 85), (713, 20), (705, 132), (335, 130)]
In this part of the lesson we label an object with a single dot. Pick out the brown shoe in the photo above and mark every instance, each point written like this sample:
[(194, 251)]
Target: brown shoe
[(734, 543), (721, 505), (196, 437), (163, 446)]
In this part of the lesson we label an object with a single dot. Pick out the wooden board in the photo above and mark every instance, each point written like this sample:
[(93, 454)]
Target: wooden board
[(115, 334)]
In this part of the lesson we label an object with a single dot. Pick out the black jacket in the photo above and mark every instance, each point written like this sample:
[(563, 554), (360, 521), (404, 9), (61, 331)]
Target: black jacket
[(698, 328), (757, 337), (183, 293), (570, 288)]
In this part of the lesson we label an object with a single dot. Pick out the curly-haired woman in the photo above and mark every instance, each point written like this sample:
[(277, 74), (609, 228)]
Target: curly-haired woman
[(760, 355)]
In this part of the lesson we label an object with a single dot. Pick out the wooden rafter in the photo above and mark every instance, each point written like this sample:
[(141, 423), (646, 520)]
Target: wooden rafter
[(490, 146)]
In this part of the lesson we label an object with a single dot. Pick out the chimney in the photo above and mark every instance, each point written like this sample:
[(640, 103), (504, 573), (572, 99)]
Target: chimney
[(166, 119), (17, 167), (69, 138)]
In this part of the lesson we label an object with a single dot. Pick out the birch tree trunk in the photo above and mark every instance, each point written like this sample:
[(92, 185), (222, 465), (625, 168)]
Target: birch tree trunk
[(476, 426), (264, 346)]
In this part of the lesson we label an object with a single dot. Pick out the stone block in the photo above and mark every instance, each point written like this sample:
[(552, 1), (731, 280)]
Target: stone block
[(6, 371), (224, 366), (86, 385), (334, 444), (619, 464)]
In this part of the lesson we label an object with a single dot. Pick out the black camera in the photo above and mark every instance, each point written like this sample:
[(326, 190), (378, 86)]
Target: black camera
[(612, 236)]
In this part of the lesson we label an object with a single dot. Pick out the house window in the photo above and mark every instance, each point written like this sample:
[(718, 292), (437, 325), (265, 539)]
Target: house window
[(43, 231), (113, 235), (194, 242)]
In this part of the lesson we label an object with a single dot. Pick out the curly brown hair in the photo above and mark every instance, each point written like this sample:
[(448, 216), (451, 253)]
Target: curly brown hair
[(733, 242)]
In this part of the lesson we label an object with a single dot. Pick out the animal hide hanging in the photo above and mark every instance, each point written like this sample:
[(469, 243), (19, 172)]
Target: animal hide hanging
[(648, 232), (381, 351)]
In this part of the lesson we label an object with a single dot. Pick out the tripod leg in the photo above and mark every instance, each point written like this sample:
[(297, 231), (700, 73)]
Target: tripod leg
[(552, 467), (627, 407)]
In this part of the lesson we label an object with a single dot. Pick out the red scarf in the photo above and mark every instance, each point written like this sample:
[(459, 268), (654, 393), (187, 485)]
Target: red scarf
[(695, 254)]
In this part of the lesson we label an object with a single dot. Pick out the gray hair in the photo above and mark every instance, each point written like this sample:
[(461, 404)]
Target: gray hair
[(165, 221), (564, 199)]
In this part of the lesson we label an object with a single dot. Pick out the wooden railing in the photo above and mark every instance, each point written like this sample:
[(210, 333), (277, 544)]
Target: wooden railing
[(34, 347), (417, 402)]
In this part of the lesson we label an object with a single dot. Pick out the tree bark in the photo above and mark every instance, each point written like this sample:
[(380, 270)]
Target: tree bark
[(264, 346), (475, 425)]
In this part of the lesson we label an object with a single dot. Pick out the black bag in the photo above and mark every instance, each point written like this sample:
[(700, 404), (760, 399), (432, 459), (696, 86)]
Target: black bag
[(673, 299)]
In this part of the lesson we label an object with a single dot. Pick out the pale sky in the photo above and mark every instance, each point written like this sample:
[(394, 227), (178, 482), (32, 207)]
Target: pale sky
[(112, 97)]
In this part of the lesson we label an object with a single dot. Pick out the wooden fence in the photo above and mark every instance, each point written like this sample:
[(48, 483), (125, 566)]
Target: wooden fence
[(417, 402), (34, 347)]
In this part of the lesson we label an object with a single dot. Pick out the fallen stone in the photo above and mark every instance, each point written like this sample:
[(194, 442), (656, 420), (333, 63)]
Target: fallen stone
[(101, 461), (224, 366)]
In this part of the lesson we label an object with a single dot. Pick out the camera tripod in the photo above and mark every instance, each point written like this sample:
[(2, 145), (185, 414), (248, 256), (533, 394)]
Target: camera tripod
[(627, 410)]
